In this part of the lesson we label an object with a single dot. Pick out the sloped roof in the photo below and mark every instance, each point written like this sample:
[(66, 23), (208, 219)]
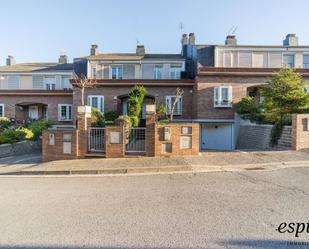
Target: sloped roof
[(132, 56), (37, 67)]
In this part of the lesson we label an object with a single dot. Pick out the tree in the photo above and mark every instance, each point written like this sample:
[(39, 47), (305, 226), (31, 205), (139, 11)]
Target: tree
[(285, 94), (135, 102), (83, 82), (178, 96)]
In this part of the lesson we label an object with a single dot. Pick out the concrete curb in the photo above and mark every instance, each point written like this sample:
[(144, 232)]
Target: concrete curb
[(165, 169)]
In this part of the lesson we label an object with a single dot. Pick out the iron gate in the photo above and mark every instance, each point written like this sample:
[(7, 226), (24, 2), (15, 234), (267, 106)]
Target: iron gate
[(137, 140), (96, 139)]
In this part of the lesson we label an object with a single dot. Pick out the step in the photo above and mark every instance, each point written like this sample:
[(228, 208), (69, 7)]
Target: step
[(95, 155)]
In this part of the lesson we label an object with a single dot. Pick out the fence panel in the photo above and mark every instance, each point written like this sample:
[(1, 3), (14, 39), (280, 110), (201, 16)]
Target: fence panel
[(137, 140), (96, 139)]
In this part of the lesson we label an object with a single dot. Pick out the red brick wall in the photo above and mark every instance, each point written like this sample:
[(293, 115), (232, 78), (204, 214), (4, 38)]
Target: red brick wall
[(204, 94), (55, 152), (110, 92), (52, 102), (114, 150)]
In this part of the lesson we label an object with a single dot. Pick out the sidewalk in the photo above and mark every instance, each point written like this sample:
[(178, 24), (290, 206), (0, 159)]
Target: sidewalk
[(207, 161)]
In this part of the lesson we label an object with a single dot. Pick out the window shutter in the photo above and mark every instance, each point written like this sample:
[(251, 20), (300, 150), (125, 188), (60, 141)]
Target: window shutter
[(230, 94), (102, 104), (59, 112), (216, 95), (180, 106), (89, 100), (167, 105)]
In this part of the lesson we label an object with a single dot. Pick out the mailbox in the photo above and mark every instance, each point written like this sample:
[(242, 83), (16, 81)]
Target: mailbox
[(51, 139), (167, 133)]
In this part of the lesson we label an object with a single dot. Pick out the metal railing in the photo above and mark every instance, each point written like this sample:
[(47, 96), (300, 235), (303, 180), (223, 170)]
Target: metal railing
[(137, 140), (96, 139)]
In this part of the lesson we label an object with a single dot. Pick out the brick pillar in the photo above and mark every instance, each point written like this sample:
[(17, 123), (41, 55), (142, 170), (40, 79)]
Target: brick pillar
[(83, 122), (114, 141), (150, 130)]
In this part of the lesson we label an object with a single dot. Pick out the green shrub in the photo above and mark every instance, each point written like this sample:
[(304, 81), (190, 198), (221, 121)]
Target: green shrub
[(37, 127), (135, 102), (4, 123), (97, 118), (11, 136), (249, 108), (126, 119), (111, 115), (28, 134)]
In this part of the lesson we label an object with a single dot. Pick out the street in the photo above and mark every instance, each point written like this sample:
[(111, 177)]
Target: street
[(203, 210)]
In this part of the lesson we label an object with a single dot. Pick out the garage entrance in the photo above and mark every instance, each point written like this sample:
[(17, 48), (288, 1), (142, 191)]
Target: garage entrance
[(216, 136)]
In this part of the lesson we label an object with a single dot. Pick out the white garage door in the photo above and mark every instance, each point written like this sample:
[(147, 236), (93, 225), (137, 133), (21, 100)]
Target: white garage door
[(217, 136)]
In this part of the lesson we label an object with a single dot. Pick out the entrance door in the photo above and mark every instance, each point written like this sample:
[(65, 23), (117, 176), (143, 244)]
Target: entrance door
[(33, 112)]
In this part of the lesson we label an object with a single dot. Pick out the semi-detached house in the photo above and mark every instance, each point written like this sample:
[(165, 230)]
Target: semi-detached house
[(31, 91)]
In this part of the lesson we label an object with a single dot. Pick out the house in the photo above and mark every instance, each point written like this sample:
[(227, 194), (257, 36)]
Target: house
[(115, 74), (31, 91), (226, 73)]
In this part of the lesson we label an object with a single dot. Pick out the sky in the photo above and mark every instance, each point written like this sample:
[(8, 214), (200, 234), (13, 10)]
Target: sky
[(39, 30)]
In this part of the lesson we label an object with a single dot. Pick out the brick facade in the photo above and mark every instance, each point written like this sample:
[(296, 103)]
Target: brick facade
[(203, 98), (111, 93), (300, 133), (12, 110), (114, 150)]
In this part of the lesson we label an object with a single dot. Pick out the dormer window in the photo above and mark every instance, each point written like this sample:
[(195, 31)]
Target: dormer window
[(117, 72), (306, 61), (288, 60), (175, 71), (50, 83), (158, 72)]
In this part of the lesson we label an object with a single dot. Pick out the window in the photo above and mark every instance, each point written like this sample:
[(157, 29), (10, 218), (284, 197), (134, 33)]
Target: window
[(94, 72), (223, 96), (13, 82), (65, 82), (50, 83), (186, 137), (175, 71), (117, 72), (306, 61), (1, 110), (169, 100), (158, 72), (288, 60), (96, 101), (64, 112)]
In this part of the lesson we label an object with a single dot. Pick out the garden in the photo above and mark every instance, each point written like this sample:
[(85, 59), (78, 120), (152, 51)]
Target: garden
[(11, 133)]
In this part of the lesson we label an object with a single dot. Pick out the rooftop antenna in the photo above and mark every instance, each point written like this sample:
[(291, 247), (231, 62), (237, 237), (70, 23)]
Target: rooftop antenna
[(232, 30), (137, 42), (181, 27)]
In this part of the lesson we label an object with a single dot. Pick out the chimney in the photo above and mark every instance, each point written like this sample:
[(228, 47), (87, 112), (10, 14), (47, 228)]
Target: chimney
[(231, 40), (63, 59), (94, 50), (10, 61), (290, 40), (140, 49), (191, 39), (184, 40)]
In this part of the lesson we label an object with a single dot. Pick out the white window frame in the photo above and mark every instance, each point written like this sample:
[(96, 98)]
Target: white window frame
[(94, 72), (3, 111), (158, 70), (169, 103), (100, 101), (175, 74), (219, 102), (67, 116), (8, 80), (117, 71), (49, 84)]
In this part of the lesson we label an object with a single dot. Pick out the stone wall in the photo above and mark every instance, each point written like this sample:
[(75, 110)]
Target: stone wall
[(23, 147), (257, 137)]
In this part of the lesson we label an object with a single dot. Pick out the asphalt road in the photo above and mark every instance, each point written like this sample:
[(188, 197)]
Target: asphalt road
[(205, 210)]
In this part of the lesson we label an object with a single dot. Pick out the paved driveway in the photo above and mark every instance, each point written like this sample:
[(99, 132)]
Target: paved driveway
[(212, 210)]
